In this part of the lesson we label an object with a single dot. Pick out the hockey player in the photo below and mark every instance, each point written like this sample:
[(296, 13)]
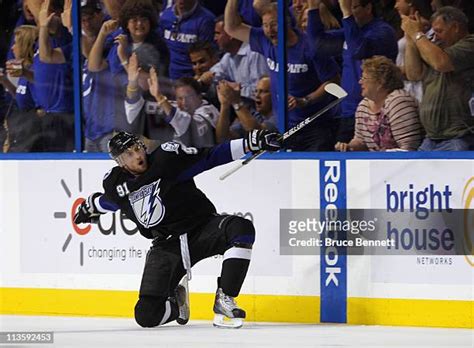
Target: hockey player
[(158, 193)]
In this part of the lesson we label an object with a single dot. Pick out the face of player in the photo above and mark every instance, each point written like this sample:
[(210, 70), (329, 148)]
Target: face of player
[(201, 61), (187, 99), (134, 160), (403, 7), (221, 38), (270, 27), (263, 96), (183, 6), (362, 14), (446, 34), (139, 27)]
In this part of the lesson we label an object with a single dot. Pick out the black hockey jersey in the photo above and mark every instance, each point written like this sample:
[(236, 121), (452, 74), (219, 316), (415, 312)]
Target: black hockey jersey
[(164, 200)]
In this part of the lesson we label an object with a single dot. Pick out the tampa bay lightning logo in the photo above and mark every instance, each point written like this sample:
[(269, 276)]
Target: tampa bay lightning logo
[(171, 146), (147, 205)]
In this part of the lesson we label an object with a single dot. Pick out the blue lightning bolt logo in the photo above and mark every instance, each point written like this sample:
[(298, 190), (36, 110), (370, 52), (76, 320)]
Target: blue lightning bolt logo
[(153, 202), (147, 205)]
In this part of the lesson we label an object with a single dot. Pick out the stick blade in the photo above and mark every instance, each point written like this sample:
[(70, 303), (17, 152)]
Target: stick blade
[(335, 90)]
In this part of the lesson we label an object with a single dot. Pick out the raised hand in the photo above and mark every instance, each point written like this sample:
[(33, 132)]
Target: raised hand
[(411, 26), (346, 7), (294, 102), (314, 4), (222, 94), (44, 17), (122, 45), (108, 27), (133, 68), (14, 67), (66, 18), (228, 93), (206, 78), (154, 84)]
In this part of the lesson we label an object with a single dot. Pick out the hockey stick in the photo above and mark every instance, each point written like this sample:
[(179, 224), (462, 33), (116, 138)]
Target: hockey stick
[(330, 88)]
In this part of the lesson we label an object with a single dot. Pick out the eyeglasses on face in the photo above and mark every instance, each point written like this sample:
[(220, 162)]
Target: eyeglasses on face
[(365, 78)]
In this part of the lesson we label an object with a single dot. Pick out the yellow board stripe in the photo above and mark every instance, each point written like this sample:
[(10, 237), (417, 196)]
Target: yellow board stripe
[(107, 303), (410, 312), (269, 308)]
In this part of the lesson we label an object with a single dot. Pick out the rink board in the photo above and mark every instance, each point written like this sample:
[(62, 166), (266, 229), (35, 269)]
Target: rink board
[(49, 266)]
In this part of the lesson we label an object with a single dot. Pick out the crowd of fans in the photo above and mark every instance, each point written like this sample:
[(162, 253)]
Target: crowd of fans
[(203, 72)]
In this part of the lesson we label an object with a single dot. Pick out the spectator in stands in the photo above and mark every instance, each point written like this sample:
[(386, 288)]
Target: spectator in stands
[(137, 33), (193, 119), (464, 5), (181, 25), (249, 11), (363, 36), (142, 108), (390, 15), (239, 64), (446, 68), (24, 129), (308, 72), (437, 4), (298, 8), (409, 8), (31, 9), (260, 117), (138, 20), (53, 81), (387, 118), (8, 17), (203, 56), (113, 8), (98, 109), (92, 19), (28, 17), (328, 19)]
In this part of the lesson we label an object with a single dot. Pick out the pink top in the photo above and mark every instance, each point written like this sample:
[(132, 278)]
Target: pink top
[(397, 125)]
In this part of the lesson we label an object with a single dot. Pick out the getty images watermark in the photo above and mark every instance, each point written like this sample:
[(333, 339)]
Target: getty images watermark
[(23, 337), (375, 232)]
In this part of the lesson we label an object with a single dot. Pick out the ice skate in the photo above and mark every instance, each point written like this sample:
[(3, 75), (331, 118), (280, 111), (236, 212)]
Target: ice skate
[(182, 300), (227, 314)]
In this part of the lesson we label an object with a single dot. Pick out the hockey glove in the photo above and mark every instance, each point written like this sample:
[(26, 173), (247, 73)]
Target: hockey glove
[(88, 211), (263, 140)]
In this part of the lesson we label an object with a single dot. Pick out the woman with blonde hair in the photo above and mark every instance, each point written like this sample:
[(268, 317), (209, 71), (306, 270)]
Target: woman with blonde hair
[(25, 37), (387, 118), (23, 124)]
